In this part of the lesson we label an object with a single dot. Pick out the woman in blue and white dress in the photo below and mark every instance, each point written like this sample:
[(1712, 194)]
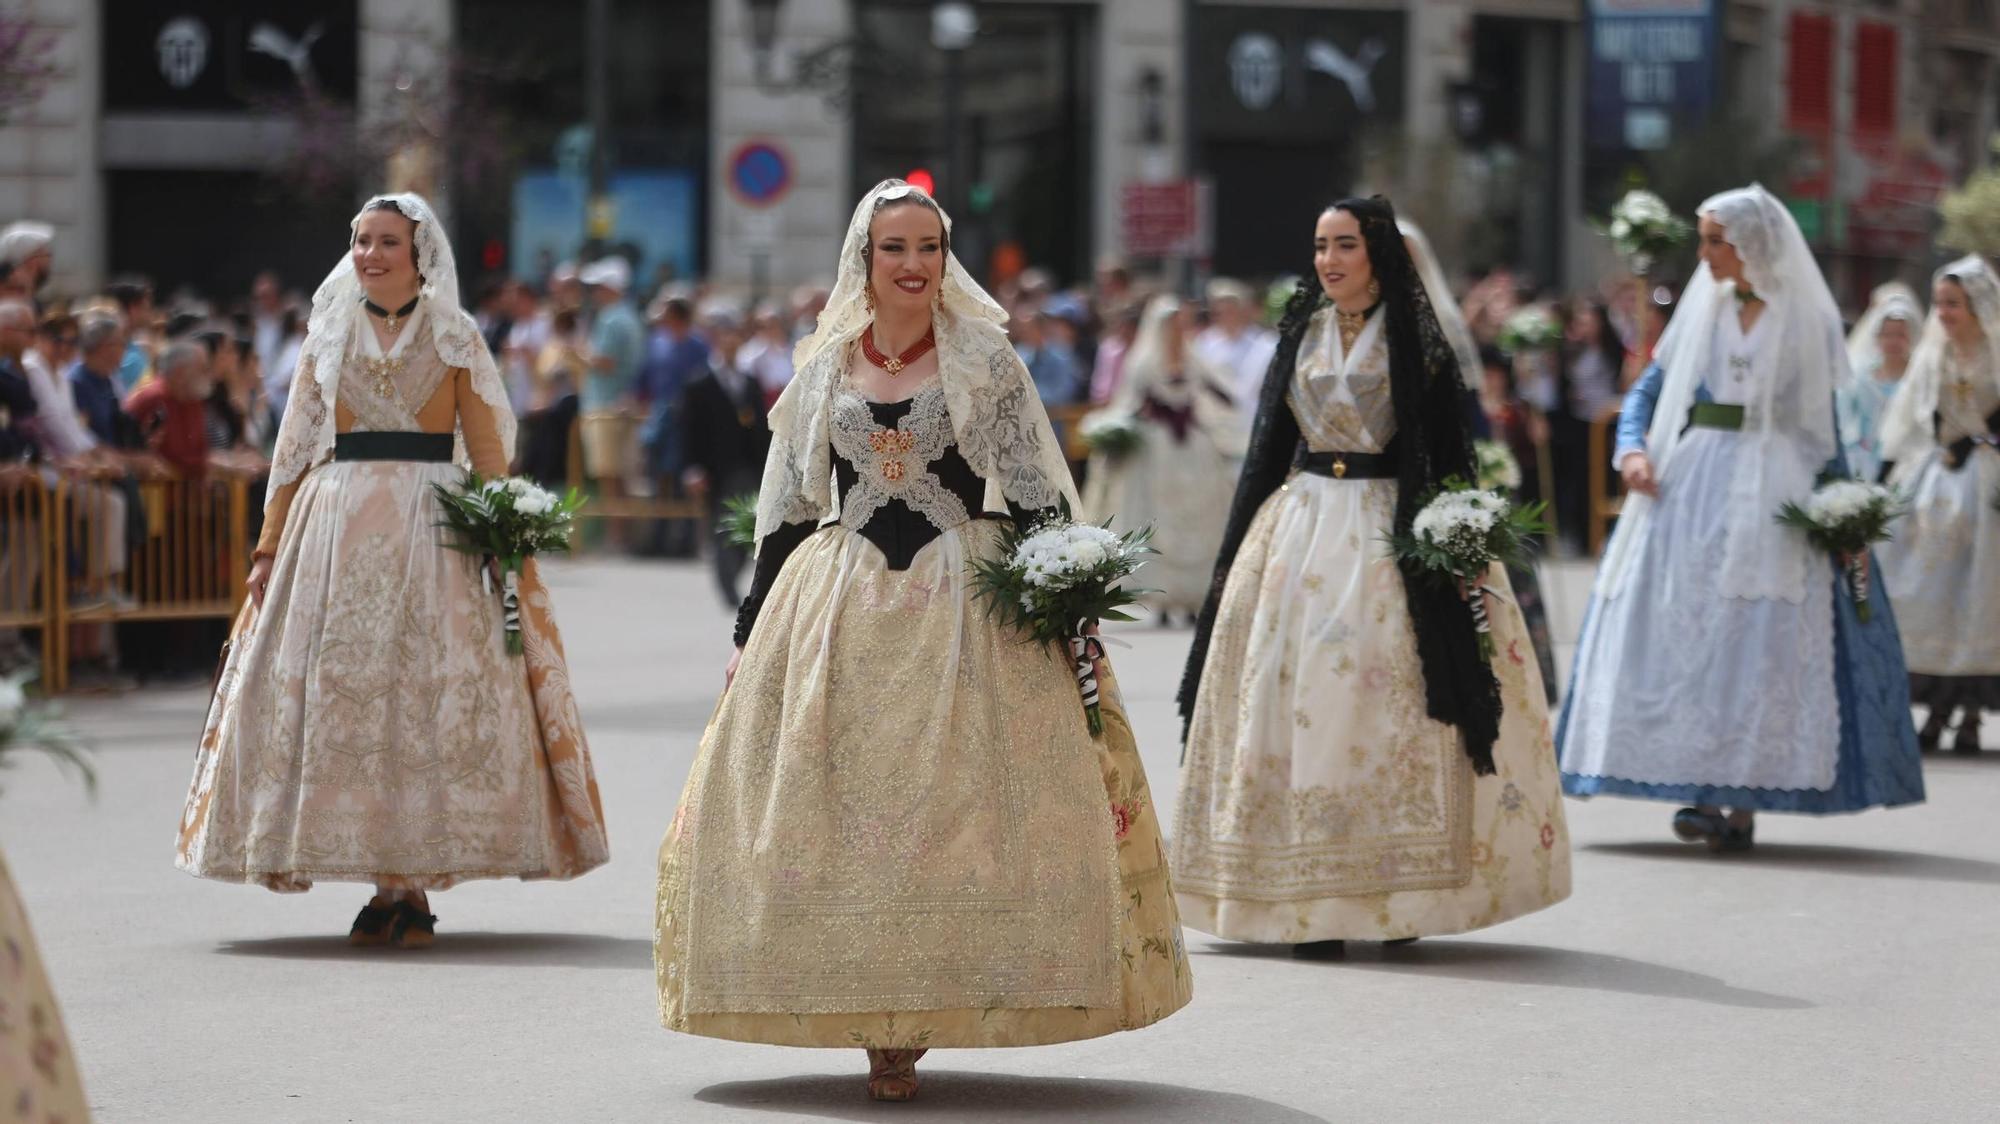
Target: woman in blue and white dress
[(1878, 351), (1722, 664), (1943, 568)]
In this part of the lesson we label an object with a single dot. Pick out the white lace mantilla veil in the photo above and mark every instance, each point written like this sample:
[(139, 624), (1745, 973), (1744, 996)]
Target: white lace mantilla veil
[(1907, 432), (1891, 300), (997, 419), (1445, 306), (305, 435), (1805, 362)]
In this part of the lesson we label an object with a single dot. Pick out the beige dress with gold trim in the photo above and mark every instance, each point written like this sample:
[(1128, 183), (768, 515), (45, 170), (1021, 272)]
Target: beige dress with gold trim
[(38, 1081), (369, 725), (898, 831), (1319, 800)]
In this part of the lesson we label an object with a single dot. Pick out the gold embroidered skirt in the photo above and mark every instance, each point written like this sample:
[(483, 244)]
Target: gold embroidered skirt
[(38, 1081), (1319, 801), (369, 725), (899, 832)]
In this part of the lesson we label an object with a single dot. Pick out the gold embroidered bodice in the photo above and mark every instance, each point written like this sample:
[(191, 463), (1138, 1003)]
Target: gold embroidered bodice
[(1967, 395)]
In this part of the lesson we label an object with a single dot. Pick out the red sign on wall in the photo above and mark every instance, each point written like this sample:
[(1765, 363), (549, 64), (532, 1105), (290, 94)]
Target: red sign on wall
[(1166, 220)]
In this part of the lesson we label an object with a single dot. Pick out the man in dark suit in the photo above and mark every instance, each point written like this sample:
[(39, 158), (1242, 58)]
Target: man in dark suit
[(724, 436)]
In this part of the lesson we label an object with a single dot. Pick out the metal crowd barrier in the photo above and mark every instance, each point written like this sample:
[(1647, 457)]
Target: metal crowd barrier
[(26, 560), (113, 551), (1607, 490)]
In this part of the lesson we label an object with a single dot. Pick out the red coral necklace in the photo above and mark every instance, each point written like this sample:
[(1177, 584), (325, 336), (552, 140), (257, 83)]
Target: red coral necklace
[(895, 364)]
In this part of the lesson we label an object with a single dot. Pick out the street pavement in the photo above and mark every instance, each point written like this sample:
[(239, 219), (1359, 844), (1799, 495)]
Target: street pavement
[(1848, 970)]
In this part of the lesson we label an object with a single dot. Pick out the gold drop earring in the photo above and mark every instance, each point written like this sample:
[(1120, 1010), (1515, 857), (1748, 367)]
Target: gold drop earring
[(1374, 289), (868, 296)]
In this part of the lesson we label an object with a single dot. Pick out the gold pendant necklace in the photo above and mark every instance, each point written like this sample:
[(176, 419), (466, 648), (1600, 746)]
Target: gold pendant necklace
[(1350, 325), (383, 373)]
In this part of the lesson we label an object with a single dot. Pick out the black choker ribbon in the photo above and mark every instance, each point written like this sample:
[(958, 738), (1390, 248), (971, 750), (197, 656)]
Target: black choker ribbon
[(391, 319)]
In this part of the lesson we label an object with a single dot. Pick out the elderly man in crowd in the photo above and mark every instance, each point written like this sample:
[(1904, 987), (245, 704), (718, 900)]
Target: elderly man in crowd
[(171, 411), (617, 349)]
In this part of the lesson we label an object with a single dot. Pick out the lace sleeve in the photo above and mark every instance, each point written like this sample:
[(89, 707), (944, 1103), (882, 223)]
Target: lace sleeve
[(305, 432)]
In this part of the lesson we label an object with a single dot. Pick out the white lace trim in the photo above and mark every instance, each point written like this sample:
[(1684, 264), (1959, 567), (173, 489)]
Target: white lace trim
[(894, 463)]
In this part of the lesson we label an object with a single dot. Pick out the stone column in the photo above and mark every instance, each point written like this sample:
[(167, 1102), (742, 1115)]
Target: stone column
[(48, 150)]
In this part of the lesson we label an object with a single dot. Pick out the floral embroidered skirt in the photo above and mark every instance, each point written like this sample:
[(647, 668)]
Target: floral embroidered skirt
[(899, 832), (369, 724), (1182, 491), (1319, 800), (38, 1081)]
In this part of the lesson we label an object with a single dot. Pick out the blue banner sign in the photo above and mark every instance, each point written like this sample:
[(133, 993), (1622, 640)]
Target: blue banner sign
[(1653, 67)]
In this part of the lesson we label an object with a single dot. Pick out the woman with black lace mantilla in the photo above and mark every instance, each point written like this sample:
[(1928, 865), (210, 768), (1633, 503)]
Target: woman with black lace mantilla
[(899, 833), (1355, 769)]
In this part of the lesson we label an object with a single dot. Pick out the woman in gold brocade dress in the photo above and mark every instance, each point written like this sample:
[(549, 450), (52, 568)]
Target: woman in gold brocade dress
[(1355, 769), (899, 833), (369, 725)]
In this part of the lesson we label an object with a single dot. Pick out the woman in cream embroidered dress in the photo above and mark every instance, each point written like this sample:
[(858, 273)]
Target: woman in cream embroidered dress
[(369, 725), (1354, 771), (898, 832), (1943, 566), (38, 1078), (1179, 480)]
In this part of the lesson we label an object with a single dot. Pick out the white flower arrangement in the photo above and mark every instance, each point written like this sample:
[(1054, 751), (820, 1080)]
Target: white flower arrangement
[(1112, 433), (1496, 466), (506, 520), (1644, 229), (1531, 329), (1460, 532), (1056, 580), (1844, 518)]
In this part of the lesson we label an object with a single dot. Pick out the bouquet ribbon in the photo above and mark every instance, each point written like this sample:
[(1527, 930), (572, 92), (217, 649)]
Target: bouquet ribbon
[(1084, 653), (1475, 597), (510, 601)]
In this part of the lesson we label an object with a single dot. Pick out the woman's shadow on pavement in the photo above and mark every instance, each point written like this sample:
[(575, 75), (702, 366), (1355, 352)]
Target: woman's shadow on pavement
[(1490, 962), (568, 950), (959, 1096)]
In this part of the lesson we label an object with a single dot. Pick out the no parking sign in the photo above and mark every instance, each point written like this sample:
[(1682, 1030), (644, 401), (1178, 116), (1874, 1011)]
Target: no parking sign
[(760, 173)]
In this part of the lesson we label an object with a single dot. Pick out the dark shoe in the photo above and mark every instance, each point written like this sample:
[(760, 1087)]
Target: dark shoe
[(371, 925), (1930, 734), (1400, 942), (1734, 840), (1692, 825), (413, 928), (1320, 950), (1967, 739)]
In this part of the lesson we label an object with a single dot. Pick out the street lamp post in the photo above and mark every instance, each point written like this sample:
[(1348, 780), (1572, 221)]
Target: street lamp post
[(954, 25)]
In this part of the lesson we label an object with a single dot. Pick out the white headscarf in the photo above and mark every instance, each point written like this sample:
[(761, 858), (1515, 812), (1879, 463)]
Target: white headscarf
[(1145, 376), (1907, 432), (305, 436), (1456, 331), (1891, 300), (1790, 423), (997, 418)]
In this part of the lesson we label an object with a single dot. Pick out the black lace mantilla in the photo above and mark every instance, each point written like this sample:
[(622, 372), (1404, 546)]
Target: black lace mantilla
[(1432, 443)]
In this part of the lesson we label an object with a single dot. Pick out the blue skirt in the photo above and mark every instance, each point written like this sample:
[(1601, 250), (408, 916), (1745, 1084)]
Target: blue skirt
[(1878, 764)]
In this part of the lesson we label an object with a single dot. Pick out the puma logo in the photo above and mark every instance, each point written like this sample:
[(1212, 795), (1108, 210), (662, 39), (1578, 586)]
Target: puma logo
[(1354, 73), (267, 39)]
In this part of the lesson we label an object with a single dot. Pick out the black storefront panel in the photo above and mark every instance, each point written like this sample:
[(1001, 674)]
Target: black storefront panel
[(1285, 101)]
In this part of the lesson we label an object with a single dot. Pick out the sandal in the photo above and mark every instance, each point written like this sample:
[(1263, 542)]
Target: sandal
[(1400, 942), (413, 927), (892, 1074), (371, 925)]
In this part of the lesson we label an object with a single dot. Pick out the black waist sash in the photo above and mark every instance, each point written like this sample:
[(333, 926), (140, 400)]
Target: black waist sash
[(379, 445), (1351, 466)]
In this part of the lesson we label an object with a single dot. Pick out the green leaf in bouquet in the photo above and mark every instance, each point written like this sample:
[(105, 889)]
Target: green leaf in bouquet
[(739, 520)]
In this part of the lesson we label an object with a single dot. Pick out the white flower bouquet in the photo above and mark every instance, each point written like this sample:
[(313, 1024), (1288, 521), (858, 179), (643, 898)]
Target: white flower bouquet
[(504, 521), (34, 724), (1460, 532), (1845, 517), (1057, 580), (1495, 465), (1116, 435), (1531, 329), (1643, 229)]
